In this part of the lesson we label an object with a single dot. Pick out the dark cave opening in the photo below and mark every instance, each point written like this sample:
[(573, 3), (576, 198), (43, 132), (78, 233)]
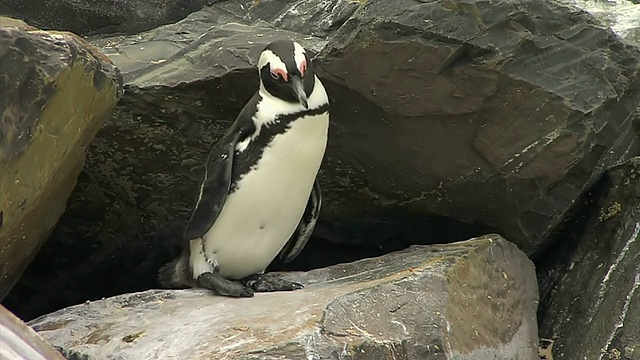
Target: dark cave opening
[(65, 274)]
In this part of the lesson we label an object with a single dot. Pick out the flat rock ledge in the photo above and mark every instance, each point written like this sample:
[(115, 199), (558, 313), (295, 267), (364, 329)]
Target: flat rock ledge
[(474, 299)]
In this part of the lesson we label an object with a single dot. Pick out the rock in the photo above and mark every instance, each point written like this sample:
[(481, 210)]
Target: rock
[(515, 170), (503, 134), (20, 342), (57, 91), (101, 17), (594, 312), (621, 15), (469, 300), (502, 131)]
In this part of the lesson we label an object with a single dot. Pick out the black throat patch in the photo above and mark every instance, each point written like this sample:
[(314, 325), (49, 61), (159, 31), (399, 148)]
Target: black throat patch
[(246, 160)]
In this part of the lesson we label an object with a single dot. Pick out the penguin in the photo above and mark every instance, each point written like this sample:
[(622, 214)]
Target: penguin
[(259, 197)]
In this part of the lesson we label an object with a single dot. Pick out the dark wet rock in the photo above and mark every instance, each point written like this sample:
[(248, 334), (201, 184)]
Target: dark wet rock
[(20, 342), (501, 132), (594, 311), (100, 17), (469, 300), (57, 91), (481, 121), (496, 113)]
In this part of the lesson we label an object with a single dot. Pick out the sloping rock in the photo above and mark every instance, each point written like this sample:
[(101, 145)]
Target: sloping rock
[(594, 312), (100, 17), (469, 300), (623, 16), (56, 93), (20, 342), (497, 113)]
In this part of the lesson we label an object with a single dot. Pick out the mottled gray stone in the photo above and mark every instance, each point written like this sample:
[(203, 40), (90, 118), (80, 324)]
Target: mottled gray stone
[(98, 16), (594, 312), (623, 16), (469, 300), (20, 342), (56, 92)]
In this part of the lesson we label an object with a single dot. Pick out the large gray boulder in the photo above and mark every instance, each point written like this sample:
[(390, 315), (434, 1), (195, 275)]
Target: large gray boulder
[(56, 91), (594, 311), (470, 300)]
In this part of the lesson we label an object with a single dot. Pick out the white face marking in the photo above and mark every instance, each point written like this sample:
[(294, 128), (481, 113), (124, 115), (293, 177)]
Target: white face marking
[(301, 61), (275, 64)]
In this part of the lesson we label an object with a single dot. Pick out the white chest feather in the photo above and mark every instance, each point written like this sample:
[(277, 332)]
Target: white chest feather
[(260, 216)]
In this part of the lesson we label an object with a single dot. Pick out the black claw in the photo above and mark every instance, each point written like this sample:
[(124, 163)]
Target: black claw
[(267, 283), (222, 286)]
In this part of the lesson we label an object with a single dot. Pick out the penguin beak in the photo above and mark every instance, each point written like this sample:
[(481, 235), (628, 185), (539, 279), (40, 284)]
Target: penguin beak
[(298, 89)]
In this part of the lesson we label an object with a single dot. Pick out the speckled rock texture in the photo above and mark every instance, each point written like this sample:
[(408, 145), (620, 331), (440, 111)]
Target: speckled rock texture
[(19, 342), (469, 300), (594, 312), (57, 90), (85, 17)]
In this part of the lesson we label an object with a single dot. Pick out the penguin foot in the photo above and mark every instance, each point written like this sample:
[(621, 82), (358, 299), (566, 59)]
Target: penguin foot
[(222, 286), (268, 283)]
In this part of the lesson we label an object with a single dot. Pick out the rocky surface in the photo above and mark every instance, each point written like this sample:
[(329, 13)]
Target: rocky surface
[(594, 312), (20, 342), (495, 113), (57, 91), (623, 16), (469, 300), (503, 131), (85, 17)]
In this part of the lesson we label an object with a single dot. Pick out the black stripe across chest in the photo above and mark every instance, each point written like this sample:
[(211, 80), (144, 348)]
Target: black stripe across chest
[(246, 160)]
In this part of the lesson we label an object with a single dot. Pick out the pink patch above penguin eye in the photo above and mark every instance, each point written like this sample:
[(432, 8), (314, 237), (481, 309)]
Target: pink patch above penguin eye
[(303, 67), (275, 73)]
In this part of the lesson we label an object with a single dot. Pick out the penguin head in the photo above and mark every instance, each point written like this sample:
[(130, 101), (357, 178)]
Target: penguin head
[(286, 72)]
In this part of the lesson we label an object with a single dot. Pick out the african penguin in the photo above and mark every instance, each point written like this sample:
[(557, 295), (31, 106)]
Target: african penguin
[(259, 195)]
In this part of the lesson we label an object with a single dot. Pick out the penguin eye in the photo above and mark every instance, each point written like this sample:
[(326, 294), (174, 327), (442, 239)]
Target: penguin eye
[(278, 73)]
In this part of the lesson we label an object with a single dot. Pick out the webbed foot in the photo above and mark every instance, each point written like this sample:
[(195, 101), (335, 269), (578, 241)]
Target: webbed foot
[(221, 286), (269, 283)]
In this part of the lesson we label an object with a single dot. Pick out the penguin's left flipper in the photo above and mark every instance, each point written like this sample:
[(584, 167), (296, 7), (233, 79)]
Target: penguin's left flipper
[(269, 283), (217, 178), (307, 223)]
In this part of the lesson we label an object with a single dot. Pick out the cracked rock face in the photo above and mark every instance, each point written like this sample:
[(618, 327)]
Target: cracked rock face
[(594, 312), (470, 300), (57, 90)]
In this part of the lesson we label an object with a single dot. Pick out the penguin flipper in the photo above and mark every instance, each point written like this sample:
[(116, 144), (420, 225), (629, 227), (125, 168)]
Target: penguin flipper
[(213, 189), (218, 171), (307, 223)]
